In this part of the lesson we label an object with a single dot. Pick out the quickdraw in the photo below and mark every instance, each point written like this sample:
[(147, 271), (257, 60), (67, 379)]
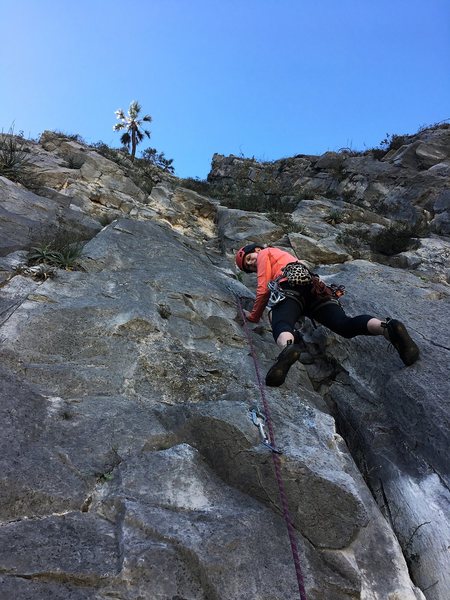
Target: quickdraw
[(276, 295), (259, 420)]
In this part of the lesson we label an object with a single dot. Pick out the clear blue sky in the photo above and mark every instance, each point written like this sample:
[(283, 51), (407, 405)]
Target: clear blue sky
[(263, 78)]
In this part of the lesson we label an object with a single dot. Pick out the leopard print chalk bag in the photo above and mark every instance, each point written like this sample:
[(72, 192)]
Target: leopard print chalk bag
[(297, 274)]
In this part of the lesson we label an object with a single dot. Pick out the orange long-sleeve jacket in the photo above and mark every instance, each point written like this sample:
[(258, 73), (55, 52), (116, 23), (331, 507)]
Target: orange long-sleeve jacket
[(269, 264)]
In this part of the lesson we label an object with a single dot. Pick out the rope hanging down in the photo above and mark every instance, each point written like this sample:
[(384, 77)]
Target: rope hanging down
[(275, 458)]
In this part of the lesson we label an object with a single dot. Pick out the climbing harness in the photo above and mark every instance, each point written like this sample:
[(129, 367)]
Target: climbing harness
[(299, 276), (269, 440), (295, 274)]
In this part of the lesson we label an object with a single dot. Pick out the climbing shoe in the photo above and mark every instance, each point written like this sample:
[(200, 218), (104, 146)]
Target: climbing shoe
[(277, 373), (401, 340)]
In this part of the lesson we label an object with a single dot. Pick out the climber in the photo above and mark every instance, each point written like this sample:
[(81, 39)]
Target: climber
[(292, 291)]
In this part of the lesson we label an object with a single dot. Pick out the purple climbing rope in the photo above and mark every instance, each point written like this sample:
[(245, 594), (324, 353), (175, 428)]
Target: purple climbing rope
[(276, 459)]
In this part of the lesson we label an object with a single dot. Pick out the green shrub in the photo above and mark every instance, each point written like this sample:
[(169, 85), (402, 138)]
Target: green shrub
[(117, 156), (394, 142), (248, 202), (15, 159), (445, 124), (145, 176), (152, 156), (390, 142), (378, 153), (396, 238), (339, 171), (353, 240), (74, 137), (258, 203), (285, 221), (201, 186)]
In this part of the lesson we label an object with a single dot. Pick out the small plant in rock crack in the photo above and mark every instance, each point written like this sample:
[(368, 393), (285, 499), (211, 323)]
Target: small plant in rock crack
[(42, 254), (334, 217), (105, 477), (75, 161), (56, 253), (68, 257)]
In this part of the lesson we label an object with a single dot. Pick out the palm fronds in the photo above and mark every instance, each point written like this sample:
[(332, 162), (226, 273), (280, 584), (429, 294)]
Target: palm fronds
[(133, 136)]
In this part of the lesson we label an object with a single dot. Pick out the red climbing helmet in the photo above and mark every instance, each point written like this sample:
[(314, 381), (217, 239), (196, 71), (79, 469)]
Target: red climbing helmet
[(242, 253)]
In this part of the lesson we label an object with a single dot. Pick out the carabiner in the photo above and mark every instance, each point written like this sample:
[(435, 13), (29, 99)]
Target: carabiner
[(259, 420)]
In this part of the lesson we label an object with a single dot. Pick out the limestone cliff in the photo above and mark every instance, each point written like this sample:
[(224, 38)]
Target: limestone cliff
[(130, 465)]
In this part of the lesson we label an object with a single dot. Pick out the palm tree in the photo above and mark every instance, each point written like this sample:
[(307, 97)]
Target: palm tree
[(133, 134)]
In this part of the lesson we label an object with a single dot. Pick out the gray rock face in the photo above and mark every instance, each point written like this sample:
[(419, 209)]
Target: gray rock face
[(236, 227), (26, 217), (396, 420), (131, 377), (130, 467), (325, 251)]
